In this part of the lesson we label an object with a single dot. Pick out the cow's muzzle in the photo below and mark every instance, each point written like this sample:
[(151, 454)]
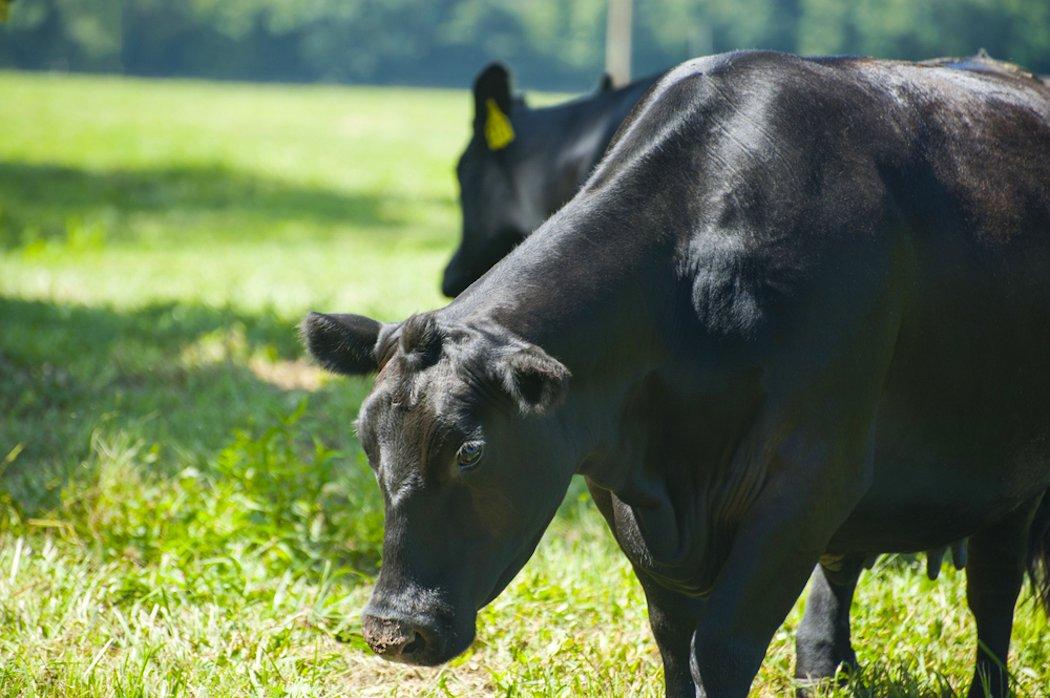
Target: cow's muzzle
[(454, 282), (401, 638)]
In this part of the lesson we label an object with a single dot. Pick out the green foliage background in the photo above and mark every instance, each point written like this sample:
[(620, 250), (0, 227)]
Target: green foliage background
[(444, 42)]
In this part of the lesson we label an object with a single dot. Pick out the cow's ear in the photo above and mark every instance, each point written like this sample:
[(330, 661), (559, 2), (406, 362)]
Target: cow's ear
[(493, 82), (606, 83), (347, 344), (492, 107), (535, 380)]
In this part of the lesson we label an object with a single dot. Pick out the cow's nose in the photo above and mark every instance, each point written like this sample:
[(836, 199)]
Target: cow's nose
[(395, 638), (452, 285)]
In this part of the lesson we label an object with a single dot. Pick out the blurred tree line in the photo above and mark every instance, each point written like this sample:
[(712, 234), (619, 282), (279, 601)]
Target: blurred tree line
[(548, 43)]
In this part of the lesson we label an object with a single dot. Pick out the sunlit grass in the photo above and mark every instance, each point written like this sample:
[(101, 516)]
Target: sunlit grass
[(185, 509)]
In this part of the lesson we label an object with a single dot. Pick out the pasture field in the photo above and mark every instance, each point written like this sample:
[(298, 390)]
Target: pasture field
[(185, 508)]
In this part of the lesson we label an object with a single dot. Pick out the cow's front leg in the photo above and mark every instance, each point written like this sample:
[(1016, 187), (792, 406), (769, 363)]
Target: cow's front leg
[(809, 491), (672, 617), (822, 644), (751, 600)]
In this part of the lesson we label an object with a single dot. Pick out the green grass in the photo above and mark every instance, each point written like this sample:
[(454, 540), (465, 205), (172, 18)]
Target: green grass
[(185, 507)]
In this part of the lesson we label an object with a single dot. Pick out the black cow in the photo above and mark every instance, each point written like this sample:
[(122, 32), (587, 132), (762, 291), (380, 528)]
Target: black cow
[(521, 165), (805, 309)]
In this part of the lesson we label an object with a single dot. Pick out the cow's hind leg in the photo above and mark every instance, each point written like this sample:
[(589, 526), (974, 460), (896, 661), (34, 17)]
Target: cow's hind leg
[(822, 644), (994, 574)]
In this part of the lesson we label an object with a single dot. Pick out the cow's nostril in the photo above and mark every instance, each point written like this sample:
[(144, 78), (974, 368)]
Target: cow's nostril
[(418, 644), (397, 639)]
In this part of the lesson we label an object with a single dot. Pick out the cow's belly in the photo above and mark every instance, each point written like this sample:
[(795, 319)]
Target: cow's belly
[(924, 497), (963, 431)]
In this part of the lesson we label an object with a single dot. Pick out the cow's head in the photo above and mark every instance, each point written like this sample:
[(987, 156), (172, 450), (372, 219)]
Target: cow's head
[(461, 432), (496, 193)]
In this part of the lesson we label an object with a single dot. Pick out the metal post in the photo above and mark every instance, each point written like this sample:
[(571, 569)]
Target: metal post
[(618, 42)]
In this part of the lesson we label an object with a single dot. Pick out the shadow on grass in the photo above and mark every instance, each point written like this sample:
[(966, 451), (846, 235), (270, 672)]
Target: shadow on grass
[(180, 375), (38, 201), (172, 426)]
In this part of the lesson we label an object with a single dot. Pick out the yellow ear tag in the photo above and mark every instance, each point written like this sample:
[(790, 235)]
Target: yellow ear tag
[(4, 10), (498, 131)]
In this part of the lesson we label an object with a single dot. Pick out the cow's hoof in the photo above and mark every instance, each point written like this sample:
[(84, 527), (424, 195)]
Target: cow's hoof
[(808, 679)]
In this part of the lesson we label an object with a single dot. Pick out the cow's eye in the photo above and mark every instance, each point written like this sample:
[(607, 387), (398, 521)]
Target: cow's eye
[(469, 454)]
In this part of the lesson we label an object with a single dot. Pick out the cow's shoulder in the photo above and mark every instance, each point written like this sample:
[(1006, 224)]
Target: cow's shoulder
[(752, 102)]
